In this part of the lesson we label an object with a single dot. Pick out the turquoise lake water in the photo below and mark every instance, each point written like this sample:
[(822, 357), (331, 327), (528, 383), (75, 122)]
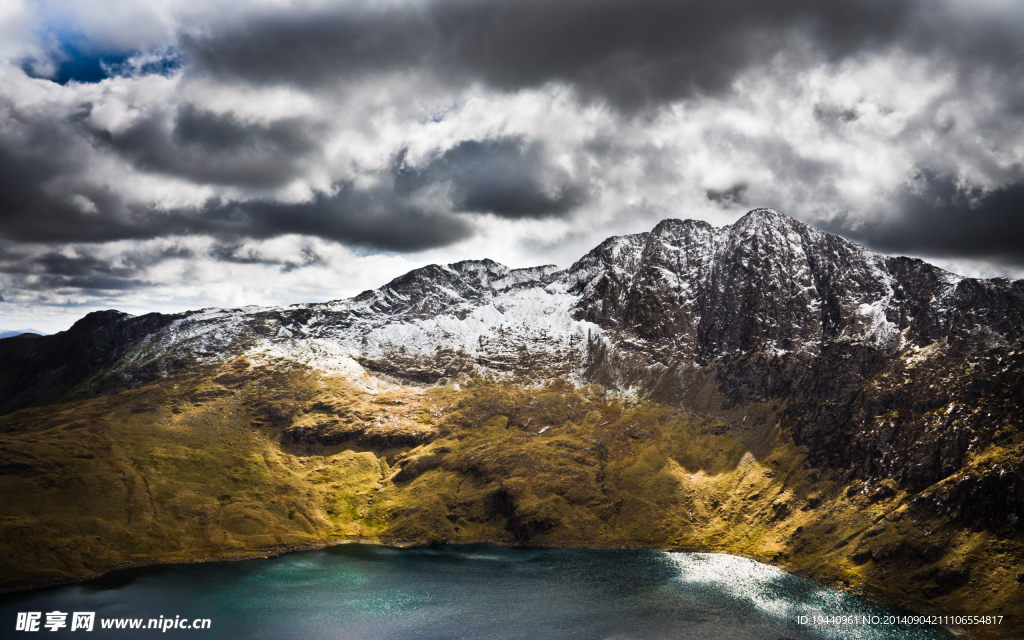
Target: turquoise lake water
[(477, 591)]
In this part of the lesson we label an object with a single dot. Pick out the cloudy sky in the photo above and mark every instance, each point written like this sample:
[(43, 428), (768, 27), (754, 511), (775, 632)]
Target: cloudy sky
[(162, 155)]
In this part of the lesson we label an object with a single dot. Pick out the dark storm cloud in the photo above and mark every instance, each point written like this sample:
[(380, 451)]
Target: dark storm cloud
[(630, 52), (62, 265), (375, 218), (209, 148), (40, 178), (832, 116), (91, 285), (735, 195), (506, 177), (240, 254), (51, 271), (44, 196), (941, 218), (412, 208)]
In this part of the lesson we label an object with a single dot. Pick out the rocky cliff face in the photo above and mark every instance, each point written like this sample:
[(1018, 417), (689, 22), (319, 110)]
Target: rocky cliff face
[(887, 368)]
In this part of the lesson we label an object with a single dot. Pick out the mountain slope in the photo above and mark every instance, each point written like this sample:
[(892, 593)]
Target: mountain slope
[(664, 371), (689, 314)]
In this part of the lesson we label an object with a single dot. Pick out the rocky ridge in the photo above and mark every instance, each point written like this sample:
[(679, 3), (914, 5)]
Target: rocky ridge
[(888, 368)]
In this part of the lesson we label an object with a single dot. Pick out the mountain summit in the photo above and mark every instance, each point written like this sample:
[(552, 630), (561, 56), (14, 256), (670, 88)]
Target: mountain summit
[(762, 387), (684, 294)]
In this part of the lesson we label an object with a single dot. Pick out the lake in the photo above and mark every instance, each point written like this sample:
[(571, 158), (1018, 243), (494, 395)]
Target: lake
[(471, 591)]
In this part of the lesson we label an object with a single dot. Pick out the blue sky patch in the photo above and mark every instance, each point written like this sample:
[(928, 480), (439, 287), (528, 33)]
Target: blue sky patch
[(90, 68)]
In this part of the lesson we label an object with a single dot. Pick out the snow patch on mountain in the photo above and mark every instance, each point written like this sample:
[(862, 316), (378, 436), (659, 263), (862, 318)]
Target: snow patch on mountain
[(537, 317)]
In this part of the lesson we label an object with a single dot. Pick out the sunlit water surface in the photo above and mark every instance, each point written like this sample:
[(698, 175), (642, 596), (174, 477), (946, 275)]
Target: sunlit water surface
[(370, 592)]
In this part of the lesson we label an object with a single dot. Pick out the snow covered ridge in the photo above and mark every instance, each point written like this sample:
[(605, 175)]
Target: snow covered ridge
[(685, 292), (482, 311)]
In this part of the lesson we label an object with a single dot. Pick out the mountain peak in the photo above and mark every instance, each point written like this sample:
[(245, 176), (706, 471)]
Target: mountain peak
[(670, 225), (684, 292), (765, 217)]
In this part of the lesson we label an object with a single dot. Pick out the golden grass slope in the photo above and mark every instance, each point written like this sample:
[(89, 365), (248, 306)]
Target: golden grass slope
[(193, 467)]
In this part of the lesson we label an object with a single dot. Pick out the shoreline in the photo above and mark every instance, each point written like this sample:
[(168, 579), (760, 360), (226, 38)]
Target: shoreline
[(273, 552)]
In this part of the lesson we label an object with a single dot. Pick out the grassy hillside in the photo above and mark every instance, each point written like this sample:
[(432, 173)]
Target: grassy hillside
[(241, 460)]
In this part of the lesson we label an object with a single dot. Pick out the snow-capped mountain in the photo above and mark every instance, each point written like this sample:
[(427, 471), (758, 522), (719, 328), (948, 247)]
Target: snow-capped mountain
[(765, 310), (684, 293), (637, 312)]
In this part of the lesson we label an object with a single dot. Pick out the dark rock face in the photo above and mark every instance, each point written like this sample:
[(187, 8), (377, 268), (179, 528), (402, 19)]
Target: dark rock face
[(891, 368), (888, 368), (41, 369)]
